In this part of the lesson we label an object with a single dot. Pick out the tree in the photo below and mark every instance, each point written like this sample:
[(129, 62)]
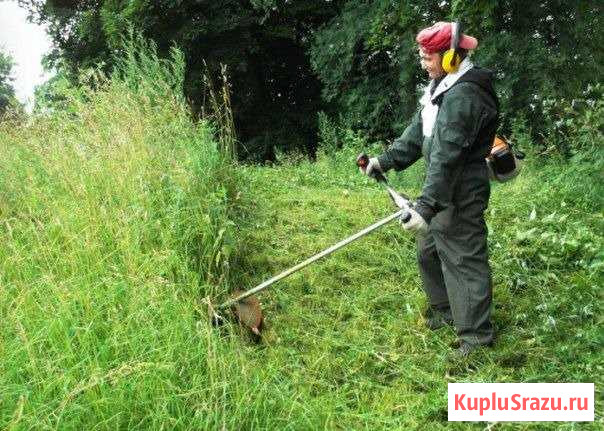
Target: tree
[(367, 60), (355, 59), (366, 56), (275, 94), (7, 92), (50, 94)]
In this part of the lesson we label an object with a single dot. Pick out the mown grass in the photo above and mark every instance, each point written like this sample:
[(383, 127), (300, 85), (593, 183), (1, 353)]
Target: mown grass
[(349, 329), (119, 215)]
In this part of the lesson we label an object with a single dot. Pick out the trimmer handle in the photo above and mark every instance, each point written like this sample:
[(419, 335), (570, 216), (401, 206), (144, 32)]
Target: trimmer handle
[(363, 162)]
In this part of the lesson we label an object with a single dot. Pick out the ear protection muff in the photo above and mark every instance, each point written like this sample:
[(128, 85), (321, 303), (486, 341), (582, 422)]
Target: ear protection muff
[(451, 59)]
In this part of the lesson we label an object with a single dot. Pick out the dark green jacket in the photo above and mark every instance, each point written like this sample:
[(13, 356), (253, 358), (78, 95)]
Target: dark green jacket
[(455, 153)]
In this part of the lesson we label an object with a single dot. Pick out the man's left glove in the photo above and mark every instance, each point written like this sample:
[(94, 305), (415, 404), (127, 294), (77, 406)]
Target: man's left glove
[(414, 222)]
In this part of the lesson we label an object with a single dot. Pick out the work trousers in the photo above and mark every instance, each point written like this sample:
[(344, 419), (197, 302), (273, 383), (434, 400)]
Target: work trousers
[(455, 271)]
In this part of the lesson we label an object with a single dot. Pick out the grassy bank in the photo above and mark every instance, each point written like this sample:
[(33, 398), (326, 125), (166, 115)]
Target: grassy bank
[(114, 222), (118, 215)]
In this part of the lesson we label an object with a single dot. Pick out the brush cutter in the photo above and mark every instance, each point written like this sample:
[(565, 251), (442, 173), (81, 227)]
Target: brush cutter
[(247, 308)]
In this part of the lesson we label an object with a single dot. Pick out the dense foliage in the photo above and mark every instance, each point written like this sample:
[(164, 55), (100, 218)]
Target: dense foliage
[(542, 51), (275, 95), (355, 60), (114, 220)]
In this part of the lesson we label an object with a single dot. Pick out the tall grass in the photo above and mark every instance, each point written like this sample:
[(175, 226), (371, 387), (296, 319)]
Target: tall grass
[(114, 222)]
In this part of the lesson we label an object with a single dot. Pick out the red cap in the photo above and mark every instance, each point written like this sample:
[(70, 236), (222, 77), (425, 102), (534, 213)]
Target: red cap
[(438, 38)]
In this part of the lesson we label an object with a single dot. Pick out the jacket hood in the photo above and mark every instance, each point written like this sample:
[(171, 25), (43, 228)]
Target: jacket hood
[(483, 78)]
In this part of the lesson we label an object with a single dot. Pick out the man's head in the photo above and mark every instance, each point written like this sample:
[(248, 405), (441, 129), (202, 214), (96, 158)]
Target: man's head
[(434, 41)]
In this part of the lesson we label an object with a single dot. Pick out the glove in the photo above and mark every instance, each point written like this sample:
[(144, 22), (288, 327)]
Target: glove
[(373, 167), (415, 222)]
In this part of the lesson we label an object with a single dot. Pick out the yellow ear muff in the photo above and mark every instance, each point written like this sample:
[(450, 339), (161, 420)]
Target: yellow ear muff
[(451, 61)]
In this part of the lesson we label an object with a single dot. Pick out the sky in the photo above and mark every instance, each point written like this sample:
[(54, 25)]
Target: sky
[(26, 43)]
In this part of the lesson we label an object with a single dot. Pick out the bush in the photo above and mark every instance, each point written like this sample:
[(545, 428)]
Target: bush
[(575, 125)]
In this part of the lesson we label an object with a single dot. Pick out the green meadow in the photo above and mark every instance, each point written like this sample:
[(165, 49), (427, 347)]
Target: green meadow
[(120, 217)]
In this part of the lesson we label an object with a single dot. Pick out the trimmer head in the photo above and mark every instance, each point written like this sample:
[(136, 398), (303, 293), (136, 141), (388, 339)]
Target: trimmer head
[(247, 312)]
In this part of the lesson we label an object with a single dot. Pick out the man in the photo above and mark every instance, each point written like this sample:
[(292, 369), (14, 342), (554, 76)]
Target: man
[(453, 129)]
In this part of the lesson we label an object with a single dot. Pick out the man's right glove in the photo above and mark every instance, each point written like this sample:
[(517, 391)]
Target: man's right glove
[(373, 168), (414, 222)]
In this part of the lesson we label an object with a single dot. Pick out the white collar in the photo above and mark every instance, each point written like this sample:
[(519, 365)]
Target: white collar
[(451, 78)]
